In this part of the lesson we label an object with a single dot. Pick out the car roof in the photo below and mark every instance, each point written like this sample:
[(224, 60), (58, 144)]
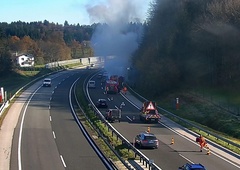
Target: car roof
[(195, 166), (47, 79), (102, 100), (147, 134)]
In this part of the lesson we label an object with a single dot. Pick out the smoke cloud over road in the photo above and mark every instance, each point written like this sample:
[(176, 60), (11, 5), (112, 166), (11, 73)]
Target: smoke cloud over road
[(115, 36)]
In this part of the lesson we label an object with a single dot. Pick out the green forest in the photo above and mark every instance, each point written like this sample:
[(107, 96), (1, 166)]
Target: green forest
[(190, 43), (47, 42), (191, 50)]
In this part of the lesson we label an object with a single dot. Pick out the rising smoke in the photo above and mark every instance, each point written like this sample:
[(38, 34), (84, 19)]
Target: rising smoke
[(114, 35)]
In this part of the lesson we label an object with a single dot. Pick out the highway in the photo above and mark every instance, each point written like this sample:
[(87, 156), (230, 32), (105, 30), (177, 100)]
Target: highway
[(47, 136), (167, 156)]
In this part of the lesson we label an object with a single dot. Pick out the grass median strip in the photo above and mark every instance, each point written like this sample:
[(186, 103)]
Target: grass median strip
[(122, 150)]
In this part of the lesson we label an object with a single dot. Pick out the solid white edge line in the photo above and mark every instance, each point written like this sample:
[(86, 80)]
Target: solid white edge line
[(217, 155), (221, 157), (21, 129), (129, 118)]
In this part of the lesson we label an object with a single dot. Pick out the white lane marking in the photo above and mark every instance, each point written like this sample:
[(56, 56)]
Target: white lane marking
[(63, 162), (50, 118), (221, 157), (21, 129), (186, 158), (54, 136), (49, 107), (129, 118), (187, 138)]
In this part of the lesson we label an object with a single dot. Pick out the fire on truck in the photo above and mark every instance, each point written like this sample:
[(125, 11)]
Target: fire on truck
[(149, 112)]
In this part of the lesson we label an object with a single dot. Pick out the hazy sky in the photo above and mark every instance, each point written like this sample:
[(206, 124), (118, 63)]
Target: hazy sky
[(57, 11)]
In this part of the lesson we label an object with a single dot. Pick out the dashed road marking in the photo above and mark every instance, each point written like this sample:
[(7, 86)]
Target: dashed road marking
[(129, 118)]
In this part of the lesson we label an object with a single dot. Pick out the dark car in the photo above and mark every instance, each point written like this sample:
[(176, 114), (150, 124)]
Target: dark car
[(102, 103), (146, 140), (188, 166)]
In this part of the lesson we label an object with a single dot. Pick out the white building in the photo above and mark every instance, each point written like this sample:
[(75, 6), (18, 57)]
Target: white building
[(25, 60)]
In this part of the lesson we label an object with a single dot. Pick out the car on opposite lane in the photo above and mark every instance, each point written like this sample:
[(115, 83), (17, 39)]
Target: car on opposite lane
[(47, 82)]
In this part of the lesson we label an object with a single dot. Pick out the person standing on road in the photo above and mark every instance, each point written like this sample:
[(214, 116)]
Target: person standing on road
[(202, 142), (122, 105)]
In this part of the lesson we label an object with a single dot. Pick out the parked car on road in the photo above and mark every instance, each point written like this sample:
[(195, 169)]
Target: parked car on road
[(189, 166), (146, 140), (101, 103)]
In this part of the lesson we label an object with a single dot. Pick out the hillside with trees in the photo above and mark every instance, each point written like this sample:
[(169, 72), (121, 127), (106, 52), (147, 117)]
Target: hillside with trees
[(47, 42), (190, 50), (190, 43)]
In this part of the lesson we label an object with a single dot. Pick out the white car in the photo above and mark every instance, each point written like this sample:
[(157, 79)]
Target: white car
[(47, 82), (91, 84)]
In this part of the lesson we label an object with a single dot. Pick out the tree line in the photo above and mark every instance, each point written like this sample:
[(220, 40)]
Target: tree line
[(47, 42), (189, 43)]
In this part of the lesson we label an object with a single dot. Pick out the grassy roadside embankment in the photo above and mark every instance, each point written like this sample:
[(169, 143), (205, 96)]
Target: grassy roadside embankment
[(205, 114), (16, 79)]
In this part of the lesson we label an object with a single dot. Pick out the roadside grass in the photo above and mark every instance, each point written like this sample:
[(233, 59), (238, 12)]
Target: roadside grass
[(200, 109), (16, 79), (205, 115), (118, 146)]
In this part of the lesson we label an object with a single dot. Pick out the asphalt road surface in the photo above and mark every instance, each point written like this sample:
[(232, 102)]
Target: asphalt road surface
[(167, 156), (47, 136)]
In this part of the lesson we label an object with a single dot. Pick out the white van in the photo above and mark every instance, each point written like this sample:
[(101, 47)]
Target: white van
[(91, 84), (47, 82)]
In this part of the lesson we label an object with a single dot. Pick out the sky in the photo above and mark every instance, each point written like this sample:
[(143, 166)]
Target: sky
[(84, 12)]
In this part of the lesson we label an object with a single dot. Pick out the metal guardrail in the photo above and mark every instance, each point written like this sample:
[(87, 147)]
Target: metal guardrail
[(104, 159), (6, 103), (3, 107), (187, 122), (145, 160)]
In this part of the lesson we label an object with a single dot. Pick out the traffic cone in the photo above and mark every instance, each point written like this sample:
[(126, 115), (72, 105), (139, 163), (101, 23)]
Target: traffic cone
[(208, 152), (148, 130), (172, 142)]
